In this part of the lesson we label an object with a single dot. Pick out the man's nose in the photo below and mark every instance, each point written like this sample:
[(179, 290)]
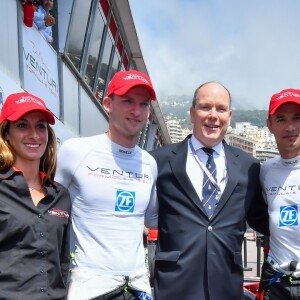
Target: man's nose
[(290, 126), (213, 112), (136, 109)]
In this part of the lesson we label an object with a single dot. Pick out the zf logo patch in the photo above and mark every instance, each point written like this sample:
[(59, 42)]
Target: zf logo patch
[(125, 201), (288, 215)]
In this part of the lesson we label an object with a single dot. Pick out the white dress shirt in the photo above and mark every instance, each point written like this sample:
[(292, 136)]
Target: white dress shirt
[(194, 170)]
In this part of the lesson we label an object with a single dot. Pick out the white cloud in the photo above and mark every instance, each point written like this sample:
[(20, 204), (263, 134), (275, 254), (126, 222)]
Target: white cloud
[(251, 46)]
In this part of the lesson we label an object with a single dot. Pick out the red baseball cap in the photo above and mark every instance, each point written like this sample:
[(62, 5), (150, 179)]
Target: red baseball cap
[(283, 97), (123, 81), (19, 104)]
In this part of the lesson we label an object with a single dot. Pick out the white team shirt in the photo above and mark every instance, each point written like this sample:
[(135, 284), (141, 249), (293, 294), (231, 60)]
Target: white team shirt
[(280, 179), (113, 195)]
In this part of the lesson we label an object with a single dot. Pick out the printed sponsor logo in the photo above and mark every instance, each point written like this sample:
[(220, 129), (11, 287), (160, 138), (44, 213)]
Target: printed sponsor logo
[(135, 77), (288, 215), (25, 99), (118, 173), (293, 162), (282, 190), (55, 212), (287, 94), (288, 188), (125, 201), (125, 151), (36, 65), (143, 295)]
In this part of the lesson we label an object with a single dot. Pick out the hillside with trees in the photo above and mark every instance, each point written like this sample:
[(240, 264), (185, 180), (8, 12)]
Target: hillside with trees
[(180, 111)]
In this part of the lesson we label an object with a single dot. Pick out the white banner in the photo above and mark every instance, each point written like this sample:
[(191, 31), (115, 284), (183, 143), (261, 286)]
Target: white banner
[(40, 68)]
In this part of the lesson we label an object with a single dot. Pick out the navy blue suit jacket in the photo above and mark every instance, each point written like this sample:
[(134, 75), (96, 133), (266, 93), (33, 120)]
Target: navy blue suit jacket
[(198, 258)]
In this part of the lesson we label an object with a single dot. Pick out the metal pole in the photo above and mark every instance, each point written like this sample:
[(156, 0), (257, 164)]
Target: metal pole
[(258, 244), (246, 268)]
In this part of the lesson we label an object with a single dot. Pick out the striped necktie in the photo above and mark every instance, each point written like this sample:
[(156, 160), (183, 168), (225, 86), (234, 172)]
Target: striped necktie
[(209, 191)]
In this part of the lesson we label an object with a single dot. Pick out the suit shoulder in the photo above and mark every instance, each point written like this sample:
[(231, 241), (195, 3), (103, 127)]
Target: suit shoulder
[(166, 150), (242, 154)]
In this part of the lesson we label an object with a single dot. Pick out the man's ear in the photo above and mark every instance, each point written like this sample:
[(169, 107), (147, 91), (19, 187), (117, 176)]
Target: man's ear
[(192, 114), (269, 124), (230, 117), (107, 104)]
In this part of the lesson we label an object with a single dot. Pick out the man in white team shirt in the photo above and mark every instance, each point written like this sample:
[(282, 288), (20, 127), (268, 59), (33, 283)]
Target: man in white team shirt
[(280, 178), (112, 185)]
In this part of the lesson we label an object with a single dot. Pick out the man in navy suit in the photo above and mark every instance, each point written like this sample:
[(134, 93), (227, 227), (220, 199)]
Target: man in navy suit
[(199, 242)]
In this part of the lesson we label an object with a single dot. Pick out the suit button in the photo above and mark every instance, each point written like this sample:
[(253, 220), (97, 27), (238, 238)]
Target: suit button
[(209, 228)]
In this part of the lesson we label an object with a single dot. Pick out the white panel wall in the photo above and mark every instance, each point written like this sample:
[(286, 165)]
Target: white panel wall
[(70, 99), (93, 120), (80, 113), (63, 132), (9, 56), (64, 11)]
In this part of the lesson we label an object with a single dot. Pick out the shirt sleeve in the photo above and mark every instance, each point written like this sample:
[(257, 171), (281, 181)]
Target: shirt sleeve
[(65, 254), (258, 216), (66, 157), (262, 176), (39, 20), (151, 215)]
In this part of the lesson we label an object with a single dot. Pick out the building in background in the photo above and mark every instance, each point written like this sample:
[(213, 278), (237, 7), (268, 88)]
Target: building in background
[(241, 142), (175, 131), (265, 151), (93, 39), (258, 134), (257, 141), (241, 127)]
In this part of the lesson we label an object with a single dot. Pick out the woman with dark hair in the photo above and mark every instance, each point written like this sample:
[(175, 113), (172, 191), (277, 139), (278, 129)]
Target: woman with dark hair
[(34, 210)]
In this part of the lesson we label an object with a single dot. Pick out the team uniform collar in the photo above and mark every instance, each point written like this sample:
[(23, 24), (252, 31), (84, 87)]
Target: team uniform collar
[(119, 150), (291, 162)]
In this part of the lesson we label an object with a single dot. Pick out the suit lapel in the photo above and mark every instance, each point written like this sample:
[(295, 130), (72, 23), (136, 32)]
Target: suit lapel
[(233, 169), (178, 166)]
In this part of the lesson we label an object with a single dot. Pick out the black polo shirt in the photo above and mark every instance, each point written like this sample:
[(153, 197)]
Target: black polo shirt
[(34, 240)]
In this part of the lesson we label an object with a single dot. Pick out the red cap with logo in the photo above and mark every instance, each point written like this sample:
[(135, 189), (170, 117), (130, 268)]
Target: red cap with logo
[(123, 81), (283, 97), (19, 104)]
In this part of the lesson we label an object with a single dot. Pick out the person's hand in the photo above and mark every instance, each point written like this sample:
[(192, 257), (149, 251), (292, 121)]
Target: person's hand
[(49, 20), (146, 231), (291, 268)]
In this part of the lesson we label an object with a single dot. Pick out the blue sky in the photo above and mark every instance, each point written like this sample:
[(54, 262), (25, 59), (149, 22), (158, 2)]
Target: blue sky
[(251, 46)]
